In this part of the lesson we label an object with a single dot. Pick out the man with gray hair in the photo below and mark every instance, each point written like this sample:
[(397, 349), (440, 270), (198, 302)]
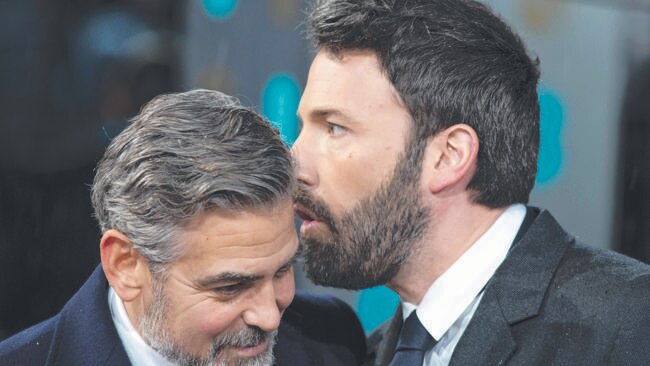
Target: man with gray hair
[(197, 252)]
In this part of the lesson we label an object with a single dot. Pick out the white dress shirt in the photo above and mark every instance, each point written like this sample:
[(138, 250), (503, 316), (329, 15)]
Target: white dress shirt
[(139, 353), (448, 306)]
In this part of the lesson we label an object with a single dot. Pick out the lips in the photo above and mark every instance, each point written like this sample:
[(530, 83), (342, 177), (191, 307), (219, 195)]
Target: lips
[(304, 213), (310, 221), (252, 351)]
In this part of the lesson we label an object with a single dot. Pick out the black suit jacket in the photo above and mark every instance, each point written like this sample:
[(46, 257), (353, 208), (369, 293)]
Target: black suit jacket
[(553, 301), (315, 330)]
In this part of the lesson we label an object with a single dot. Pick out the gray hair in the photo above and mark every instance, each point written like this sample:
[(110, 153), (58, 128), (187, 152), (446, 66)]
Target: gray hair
[(183, 155)]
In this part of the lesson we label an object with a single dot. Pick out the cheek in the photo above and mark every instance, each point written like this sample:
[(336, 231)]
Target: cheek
[(206, 322), (343, 173), (353, 177)]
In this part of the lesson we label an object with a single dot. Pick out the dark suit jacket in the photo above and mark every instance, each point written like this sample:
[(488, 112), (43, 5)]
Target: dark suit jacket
[(314, 331), (553, 301)]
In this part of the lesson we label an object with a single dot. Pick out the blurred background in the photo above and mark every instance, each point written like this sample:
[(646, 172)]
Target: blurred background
[(73, 71)]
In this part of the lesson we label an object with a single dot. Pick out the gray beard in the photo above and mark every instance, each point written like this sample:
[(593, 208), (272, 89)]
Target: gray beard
[(157, 336)]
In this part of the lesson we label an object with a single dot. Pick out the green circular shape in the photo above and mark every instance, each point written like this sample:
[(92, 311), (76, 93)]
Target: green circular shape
[(280, 98), (220, 9)]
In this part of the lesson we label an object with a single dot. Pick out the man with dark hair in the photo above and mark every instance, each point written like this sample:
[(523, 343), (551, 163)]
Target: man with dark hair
[(194, 203), (417, 154)]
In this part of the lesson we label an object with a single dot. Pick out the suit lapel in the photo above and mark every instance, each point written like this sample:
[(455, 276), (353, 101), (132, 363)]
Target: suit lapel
[(487, 339), (383, 341), (515, 293), (85, 334)]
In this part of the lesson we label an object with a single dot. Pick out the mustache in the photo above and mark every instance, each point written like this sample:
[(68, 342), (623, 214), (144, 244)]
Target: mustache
[(247, 337), (316, 205)]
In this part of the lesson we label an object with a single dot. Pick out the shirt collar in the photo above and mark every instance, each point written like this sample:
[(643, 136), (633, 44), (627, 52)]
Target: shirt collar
[(452, 293), (138, 351)]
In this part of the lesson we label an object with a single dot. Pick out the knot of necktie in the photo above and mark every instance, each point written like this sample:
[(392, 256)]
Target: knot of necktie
[(413, 342)]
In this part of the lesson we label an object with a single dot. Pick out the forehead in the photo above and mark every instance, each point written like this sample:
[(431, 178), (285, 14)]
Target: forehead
[(255, 241), (349, 83)]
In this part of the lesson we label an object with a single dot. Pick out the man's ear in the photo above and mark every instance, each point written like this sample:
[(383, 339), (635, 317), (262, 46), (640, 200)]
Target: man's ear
[(126, 270), (451, 158)]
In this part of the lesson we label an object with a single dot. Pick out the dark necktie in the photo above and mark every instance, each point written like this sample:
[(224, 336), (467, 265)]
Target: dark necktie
[(413, 343)]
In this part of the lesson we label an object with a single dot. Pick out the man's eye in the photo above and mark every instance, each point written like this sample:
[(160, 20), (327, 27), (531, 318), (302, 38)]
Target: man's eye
[(229, 289), (335, 130), (283, 271)]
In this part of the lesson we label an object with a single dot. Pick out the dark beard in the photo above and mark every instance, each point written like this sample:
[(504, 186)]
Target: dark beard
[(368, 245), (153, 327)]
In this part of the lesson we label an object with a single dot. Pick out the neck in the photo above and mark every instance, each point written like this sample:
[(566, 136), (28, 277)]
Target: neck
[(453, 229)]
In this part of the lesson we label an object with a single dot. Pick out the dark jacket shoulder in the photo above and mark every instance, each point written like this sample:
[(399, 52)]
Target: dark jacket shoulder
[(320, 330), (555, 300), (29, 347), (607, 294), (81, 334)]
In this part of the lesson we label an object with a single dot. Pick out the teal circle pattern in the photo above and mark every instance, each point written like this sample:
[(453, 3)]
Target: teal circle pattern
[(551, 154), (375, 305), (280, 98), (220, 9)]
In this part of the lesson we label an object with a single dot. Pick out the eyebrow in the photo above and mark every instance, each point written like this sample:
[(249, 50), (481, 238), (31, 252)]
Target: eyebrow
[(326, 111), (227, 277), (230, 277)]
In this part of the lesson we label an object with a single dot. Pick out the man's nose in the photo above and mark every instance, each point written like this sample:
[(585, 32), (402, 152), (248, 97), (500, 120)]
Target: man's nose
[(305, 171), (266, 308)]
